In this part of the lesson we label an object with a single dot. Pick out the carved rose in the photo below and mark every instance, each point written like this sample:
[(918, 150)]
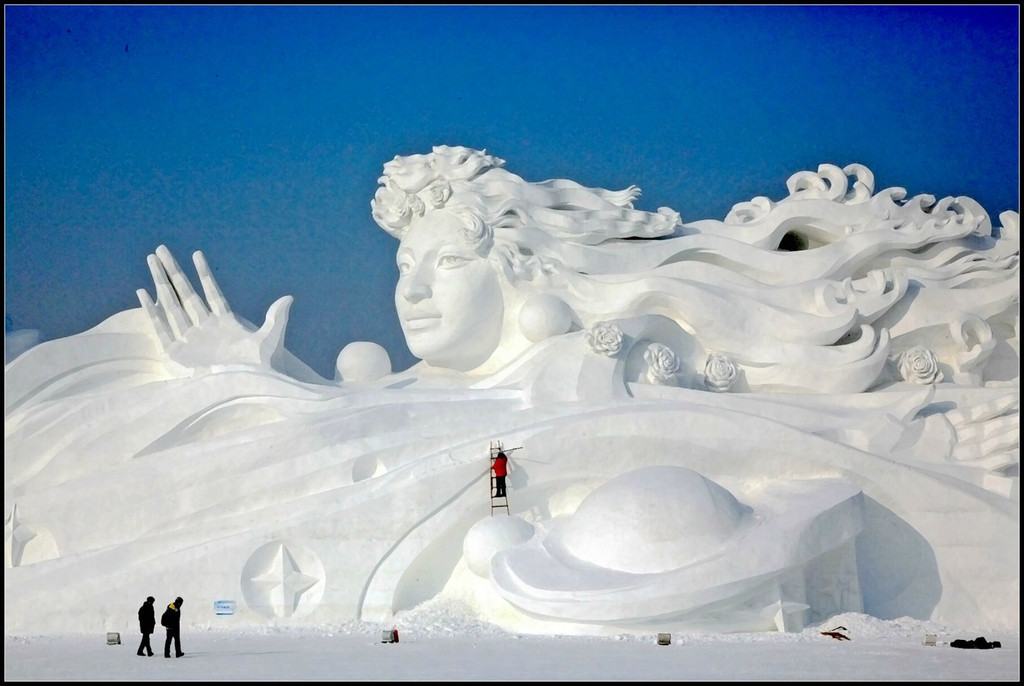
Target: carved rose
[(919, 365), (438, 194), (720, 373), (416, 205), (392, 207), (605, 338), (662, 363)]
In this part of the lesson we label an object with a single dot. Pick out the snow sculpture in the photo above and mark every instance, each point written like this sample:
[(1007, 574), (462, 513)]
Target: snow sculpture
[(808, 408)]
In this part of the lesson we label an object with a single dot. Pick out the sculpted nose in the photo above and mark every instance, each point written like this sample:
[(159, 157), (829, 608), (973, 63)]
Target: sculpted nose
[(415, 283), (415, 291)]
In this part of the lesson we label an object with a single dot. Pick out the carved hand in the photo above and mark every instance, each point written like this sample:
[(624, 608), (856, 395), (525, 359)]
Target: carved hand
[(196, 334), (988, 433)]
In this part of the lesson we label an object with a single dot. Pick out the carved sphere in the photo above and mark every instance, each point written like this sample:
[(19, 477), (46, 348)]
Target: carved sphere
[(653, 519), (544, 316), (490, 536), (362, 361)]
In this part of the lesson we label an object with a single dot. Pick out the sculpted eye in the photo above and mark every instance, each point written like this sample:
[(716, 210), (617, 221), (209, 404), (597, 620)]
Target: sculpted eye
[(451, 261), (404, 268)]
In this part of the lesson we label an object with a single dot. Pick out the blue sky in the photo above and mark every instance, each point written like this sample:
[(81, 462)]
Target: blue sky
[(256, 134)]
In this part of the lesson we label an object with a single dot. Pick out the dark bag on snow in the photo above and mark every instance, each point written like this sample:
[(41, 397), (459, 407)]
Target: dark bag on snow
[(165, 618), (979, 643)]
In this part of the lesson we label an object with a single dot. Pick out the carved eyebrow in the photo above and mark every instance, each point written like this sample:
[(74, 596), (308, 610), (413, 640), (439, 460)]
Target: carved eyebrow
[(461, 247)]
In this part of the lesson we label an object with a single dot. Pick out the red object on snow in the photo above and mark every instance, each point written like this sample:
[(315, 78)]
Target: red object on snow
[(836, 635)]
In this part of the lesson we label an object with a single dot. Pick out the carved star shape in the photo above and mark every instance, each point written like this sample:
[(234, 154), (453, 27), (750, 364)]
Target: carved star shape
[(20, 536), (783, 612), (284, 582)]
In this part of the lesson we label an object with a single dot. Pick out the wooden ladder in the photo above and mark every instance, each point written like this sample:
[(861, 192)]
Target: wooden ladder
[(496, 502)]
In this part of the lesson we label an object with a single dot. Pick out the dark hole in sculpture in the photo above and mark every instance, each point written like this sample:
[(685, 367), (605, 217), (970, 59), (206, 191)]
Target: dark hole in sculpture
[(850, 336), (793, 242)]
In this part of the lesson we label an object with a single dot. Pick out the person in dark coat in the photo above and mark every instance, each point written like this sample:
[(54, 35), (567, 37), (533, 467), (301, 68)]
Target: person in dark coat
[(147, 624), (500, 468), (171, 619)]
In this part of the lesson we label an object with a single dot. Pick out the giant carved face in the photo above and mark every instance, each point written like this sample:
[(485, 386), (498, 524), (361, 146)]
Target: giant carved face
[(448, 297)]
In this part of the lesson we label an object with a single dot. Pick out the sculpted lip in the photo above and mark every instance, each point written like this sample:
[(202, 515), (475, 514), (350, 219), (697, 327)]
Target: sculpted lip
[(421, 321)]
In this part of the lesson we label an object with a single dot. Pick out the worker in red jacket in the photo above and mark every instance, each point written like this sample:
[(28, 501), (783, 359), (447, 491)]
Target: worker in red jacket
[(500, 467)]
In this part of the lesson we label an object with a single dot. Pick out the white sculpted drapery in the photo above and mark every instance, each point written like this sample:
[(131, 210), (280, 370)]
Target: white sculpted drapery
[(745, 424)]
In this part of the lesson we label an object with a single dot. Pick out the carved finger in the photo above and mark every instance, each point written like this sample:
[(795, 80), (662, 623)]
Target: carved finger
[(167, 298), (984, 411), (998, 436), (271, 334), (214, 296), (155, 318), (190, 300)]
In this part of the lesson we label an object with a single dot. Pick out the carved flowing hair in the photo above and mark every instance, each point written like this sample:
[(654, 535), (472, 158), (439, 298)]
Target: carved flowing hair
[(814, 292), (524, 221)]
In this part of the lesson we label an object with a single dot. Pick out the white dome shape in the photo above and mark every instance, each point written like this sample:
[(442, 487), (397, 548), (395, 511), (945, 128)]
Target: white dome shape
[(544, 315), (362, 361), (490, 536), (652, 520)]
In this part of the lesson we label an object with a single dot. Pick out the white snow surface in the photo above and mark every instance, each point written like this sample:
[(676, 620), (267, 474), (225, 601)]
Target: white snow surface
[(437, 643)]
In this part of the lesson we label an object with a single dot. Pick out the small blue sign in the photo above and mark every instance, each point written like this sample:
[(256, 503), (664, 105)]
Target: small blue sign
[(224, 607)]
